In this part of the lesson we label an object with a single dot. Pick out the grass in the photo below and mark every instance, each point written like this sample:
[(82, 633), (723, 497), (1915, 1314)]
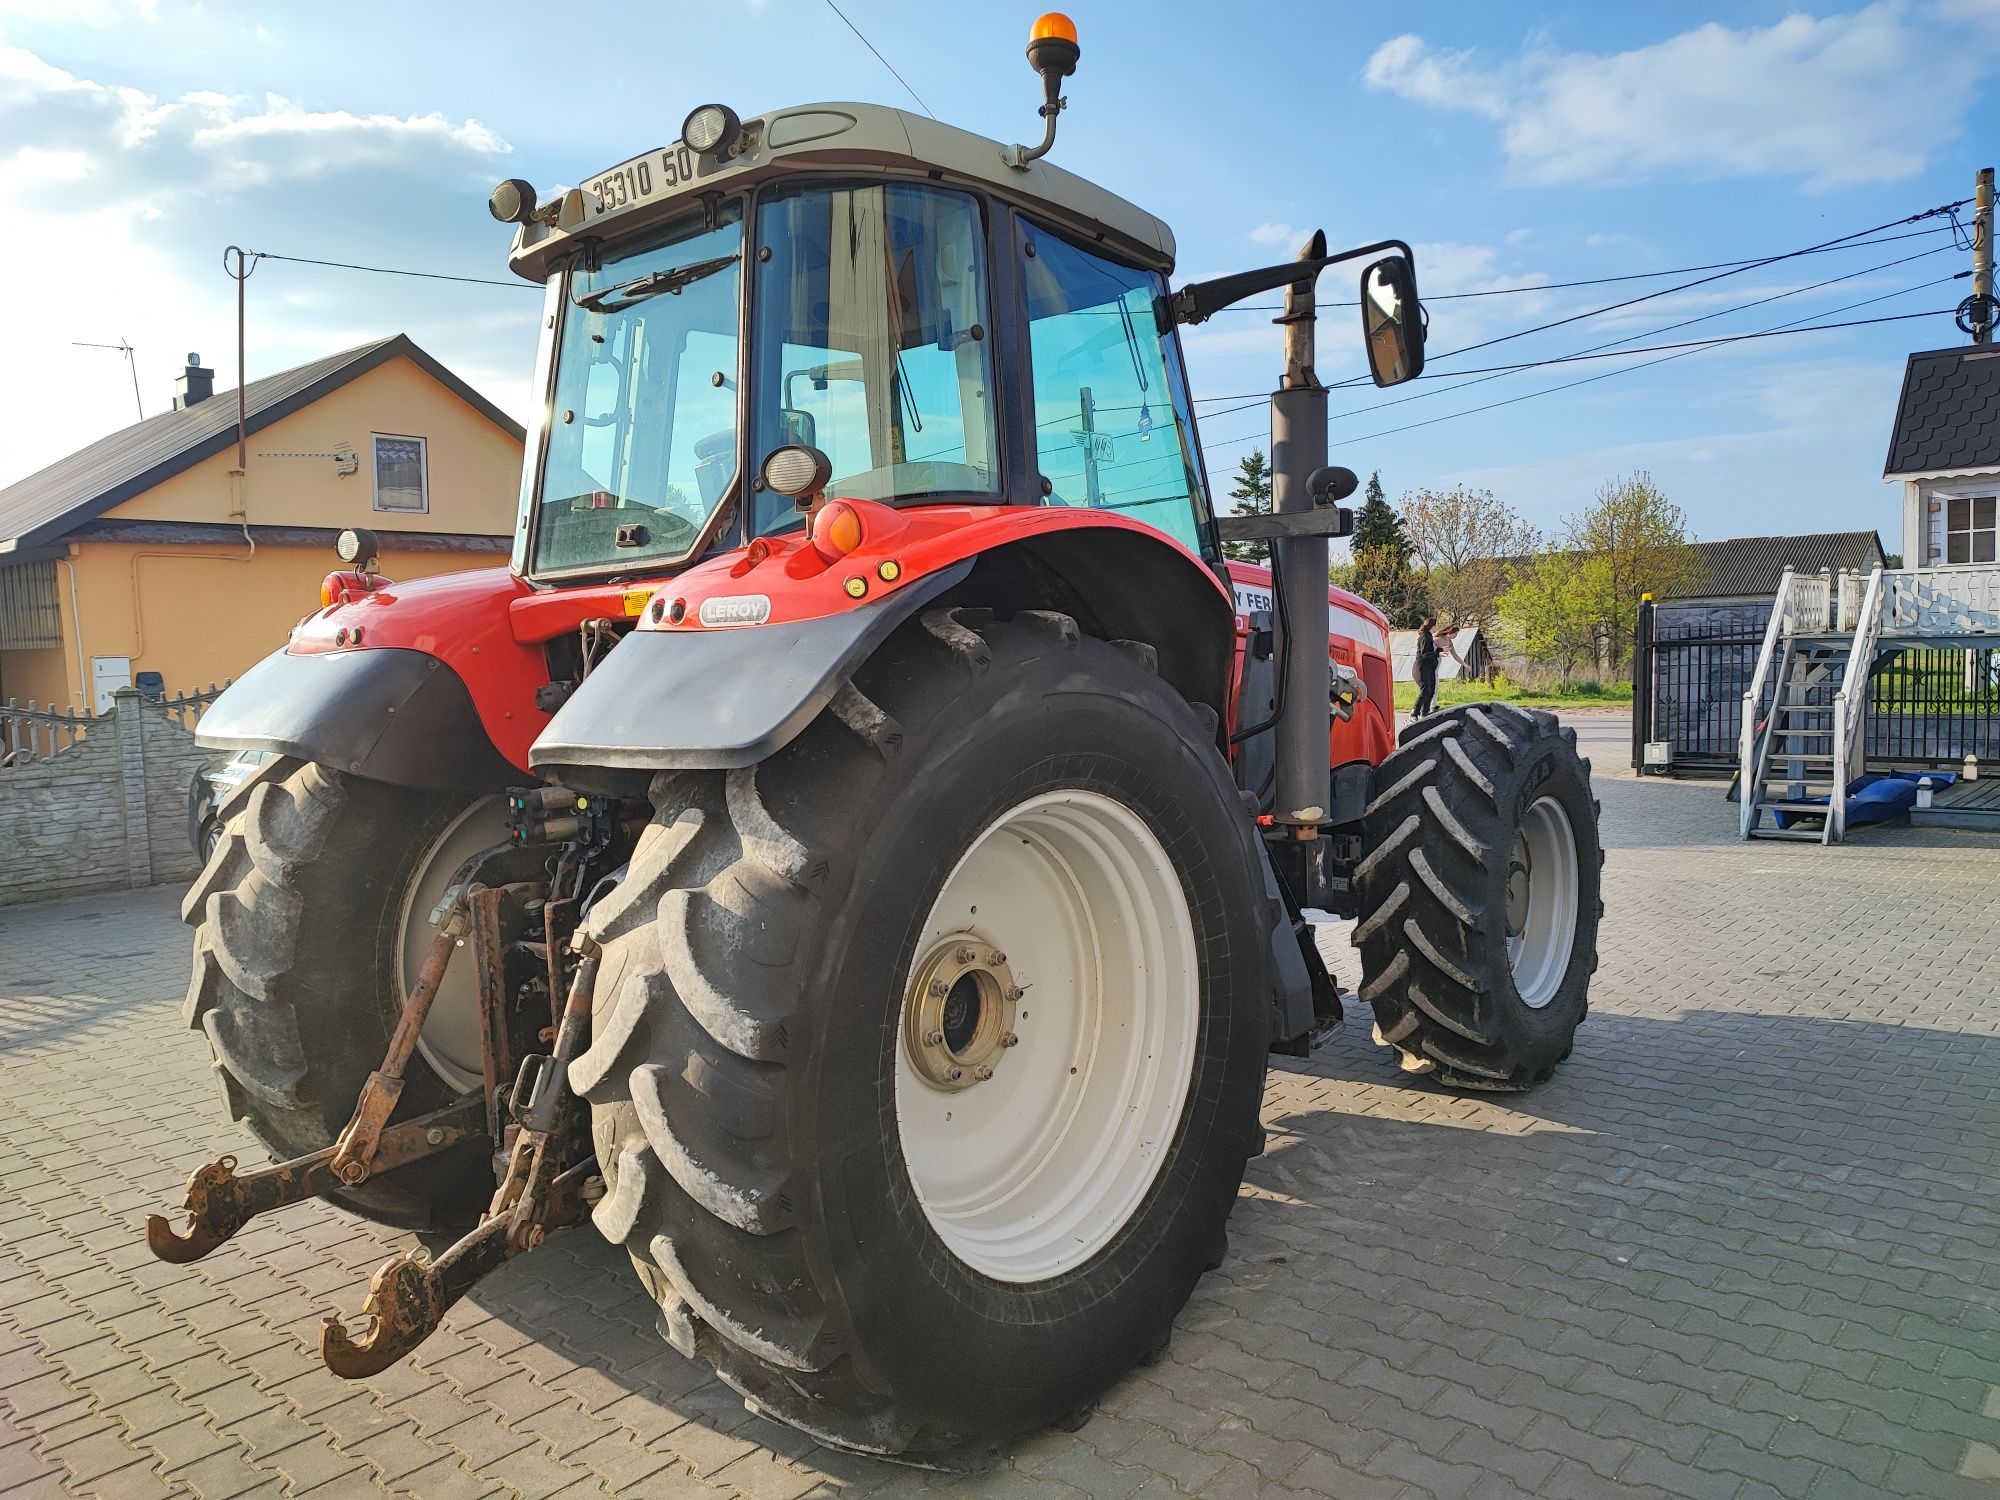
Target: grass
[(1583, 693)]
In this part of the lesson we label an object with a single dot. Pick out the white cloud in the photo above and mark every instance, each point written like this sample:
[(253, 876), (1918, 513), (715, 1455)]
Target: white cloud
[(1275, 232), (124, 201), (1865, 97)]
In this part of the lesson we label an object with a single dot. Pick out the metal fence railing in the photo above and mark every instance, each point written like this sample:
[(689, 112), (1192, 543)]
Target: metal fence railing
[(1934, 705), (31, 732)]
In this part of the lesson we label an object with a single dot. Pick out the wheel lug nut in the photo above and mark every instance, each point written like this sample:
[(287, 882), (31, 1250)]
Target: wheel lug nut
[(966, 956), (933, 1038), (998, 957), (953, 1075), (940, 988), (982, 1072), (1010, 1040), (1016, 993)]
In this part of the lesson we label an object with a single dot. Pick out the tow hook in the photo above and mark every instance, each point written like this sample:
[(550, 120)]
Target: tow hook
[(409, 1295)]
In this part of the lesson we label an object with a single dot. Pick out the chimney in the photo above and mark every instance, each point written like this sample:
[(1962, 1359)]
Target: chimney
[(193, 385)]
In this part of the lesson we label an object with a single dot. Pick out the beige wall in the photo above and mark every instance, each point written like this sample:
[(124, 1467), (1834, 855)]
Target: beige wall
[(475, 468), (36, 676), (203, 613), (198, 615)]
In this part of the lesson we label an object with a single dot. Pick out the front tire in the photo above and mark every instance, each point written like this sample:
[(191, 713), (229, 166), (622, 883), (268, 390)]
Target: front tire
[(1479, 897), (889, 1257)]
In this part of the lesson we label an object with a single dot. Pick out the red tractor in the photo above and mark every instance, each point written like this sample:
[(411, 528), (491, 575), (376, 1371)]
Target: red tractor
[(880, 826)]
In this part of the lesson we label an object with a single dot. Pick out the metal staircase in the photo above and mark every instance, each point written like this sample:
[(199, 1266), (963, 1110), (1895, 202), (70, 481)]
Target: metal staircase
[(1806, 707)]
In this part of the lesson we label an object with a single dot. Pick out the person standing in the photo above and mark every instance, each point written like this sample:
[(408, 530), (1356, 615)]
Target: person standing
[(1427, 668)]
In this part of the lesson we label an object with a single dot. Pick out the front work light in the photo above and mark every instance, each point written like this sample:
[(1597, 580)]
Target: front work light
[(513, 201), (711, 130)]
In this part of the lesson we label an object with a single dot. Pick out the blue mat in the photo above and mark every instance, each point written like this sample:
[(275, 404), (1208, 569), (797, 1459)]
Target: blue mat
[(1877, 797)]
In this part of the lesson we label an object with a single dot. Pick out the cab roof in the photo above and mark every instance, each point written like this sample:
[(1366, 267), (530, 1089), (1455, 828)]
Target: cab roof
[(829, 137)]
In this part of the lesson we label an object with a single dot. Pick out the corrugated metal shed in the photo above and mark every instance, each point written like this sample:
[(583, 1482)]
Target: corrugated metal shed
[(49, 504)]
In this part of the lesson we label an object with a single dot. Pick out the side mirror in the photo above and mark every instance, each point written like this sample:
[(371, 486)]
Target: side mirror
[(1392, 321)]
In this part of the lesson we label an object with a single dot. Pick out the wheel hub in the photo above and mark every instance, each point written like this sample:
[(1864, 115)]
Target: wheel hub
[(958, 1017), (1541, 902), (1518, 876)]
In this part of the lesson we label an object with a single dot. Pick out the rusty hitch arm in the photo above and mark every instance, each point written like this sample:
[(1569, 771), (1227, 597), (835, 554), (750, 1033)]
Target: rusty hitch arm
[(219, 1203), (408, 1296)]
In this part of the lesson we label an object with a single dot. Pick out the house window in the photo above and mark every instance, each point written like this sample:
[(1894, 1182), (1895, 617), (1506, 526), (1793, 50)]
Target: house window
[(1969, 529), (401, 474)]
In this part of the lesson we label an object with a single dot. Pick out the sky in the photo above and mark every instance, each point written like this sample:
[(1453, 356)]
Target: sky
[(1514, 146)]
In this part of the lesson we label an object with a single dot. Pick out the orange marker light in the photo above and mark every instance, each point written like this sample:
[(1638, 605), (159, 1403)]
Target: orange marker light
[(1055, 24), (836, 530)]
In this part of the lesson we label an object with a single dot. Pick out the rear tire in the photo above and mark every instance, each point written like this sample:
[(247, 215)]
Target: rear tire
[(779, 1173), (296, 977), (1479, 897)]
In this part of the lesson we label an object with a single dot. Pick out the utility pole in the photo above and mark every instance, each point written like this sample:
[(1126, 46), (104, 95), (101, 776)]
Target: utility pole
[(131, 363), (1982, 258)]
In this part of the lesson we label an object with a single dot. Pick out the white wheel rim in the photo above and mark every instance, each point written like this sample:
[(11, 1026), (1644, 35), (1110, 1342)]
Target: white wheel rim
[(450, 1038), (1541, 902), (1030, 1172)]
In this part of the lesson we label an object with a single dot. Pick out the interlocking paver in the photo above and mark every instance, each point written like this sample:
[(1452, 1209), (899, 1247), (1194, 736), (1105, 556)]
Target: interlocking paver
[(1741, 1246)]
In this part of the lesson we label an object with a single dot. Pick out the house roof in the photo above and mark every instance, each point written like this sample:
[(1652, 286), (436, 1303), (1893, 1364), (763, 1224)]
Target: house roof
[(51, 503), (1751, 566), (1948, 416)]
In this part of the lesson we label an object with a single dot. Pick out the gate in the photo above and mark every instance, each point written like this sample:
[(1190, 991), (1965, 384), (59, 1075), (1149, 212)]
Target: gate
[(1691, 666)]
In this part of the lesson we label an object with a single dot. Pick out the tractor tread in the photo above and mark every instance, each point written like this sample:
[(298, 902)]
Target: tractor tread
[(1431, 897), (695, 1073), (260, 992)]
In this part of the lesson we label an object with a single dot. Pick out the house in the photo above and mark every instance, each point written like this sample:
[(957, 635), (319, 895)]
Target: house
[(1897, 676), (1945, 451), (150, 558), (1697, 648)]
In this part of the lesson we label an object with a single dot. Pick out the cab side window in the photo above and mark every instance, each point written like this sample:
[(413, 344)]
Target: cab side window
[(1111, 428)]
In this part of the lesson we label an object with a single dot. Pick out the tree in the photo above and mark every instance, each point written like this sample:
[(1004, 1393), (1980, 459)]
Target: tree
[(1580, 599), (1380, 571), (1632, 540), (1546, 613), (1463, 540), (1377, 527), (1252, 495)]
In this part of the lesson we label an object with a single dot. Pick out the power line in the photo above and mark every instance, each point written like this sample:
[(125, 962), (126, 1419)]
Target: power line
[(1683, 286), (881, 59), (1691, 346), (1494, 372), (343, 265), (1557, 286)]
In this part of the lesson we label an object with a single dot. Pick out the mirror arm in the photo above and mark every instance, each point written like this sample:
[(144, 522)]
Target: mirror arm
[(1200, 300)]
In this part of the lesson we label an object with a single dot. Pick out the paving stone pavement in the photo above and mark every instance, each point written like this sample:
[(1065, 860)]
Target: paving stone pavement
[(1743, 1246)]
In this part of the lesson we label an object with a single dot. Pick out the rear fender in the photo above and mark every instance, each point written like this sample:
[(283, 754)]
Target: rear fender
[(421, 684), (735, 657)]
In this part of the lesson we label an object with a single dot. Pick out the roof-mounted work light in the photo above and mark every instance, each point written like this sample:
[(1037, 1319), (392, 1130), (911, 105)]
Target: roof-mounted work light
[(513, 201), (711, 130)]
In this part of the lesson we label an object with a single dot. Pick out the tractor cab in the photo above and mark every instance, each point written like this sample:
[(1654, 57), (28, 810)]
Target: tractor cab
[(943, 326)]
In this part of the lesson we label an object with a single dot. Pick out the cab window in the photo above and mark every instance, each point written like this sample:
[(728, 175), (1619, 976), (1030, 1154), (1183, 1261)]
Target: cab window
[(872, 341), (1111, 427)]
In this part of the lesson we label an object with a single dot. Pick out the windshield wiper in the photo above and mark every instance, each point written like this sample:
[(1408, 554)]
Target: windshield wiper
[(653, 284)]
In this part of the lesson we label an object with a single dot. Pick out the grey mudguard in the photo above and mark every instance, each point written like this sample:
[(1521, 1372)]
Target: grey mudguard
[(388, 714), (714, 700)]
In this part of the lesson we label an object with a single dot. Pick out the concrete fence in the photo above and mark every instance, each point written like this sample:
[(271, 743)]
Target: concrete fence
[(96, 803)]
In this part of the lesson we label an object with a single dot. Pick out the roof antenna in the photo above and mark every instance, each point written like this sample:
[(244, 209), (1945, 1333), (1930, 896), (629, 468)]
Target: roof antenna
[(131, 359), (1052, 52)]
